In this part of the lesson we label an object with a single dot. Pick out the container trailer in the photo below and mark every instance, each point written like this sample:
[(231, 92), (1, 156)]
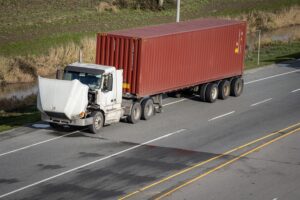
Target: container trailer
[(135, 67)]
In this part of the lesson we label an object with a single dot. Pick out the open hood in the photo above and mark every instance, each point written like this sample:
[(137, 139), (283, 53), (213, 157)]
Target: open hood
[(62, 97)]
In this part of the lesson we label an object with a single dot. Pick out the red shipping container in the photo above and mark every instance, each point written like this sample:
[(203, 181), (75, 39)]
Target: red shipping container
[(174, 56)]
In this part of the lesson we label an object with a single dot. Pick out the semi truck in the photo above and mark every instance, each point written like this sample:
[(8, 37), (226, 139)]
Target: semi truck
[(134, 68)]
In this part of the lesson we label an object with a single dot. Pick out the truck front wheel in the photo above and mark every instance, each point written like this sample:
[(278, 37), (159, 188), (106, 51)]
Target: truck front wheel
[(98, 121), (136, 112), (147, 109), (211, 93)]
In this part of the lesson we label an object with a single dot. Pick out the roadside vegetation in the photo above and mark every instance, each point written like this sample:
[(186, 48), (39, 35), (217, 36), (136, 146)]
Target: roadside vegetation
[(39, 36)]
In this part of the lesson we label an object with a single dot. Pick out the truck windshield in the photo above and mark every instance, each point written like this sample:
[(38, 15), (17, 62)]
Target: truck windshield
[(91, 80)]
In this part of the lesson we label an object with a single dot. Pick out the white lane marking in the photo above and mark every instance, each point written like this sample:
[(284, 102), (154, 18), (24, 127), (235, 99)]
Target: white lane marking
[(220, 116), (174, 102), (260, 102), (91, 163), (268, 77), (297, 90), (38, 143)]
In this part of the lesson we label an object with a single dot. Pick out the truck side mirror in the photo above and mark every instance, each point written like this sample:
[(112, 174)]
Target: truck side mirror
[(59, 74), (108, 83)]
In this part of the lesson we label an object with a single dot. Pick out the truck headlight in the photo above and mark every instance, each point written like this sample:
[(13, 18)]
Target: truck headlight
[(82, 114)]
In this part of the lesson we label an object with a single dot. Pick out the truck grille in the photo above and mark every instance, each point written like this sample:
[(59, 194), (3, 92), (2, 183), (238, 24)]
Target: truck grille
[(57, 115)]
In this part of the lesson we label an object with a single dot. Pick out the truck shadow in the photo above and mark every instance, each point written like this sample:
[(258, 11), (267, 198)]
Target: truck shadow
[(74, 132), (117, 177)]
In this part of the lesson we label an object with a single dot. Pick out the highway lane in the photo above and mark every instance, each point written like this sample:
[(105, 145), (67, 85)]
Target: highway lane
[(272, 173), (274, 106)]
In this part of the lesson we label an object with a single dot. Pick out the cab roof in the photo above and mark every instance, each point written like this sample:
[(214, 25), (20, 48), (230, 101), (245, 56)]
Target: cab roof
[(89, 68)]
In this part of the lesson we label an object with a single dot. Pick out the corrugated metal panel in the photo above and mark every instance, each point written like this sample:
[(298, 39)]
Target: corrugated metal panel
[(181, 55)]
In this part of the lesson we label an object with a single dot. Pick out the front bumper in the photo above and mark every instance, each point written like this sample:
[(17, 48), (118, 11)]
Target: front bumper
[(73, 122)]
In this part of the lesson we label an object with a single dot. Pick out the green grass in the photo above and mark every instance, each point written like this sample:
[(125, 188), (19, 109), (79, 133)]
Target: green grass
[(274, 53), (34, 26), (40, 45), (13, 119)]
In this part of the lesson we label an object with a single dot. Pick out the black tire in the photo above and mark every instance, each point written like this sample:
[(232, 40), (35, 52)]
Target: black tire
[(147, 109), (224, 89), (98, 122), (211, 93), (202, 91), (136, 112), (56, 126), (237, 86)]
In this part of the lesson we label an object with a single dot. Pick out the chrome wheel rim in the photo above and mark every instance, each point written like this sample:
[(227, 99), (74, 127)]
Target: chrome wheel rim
[(98, 123), (149, 109), (214, 93), (226, 90), (136, 113)]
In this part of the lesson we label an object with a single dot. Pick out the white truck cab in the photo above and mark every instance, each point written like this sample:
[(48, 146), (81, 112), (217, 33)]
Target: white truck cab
[(87, 95)]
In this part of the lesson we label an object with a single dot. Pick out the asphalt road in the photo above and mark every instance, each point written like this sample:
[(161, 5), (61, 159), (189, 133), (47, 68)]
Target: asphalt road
[(150, 159)]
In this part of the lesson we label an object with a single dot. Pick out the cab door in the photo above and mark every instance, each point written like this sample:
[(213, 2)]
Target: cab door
[(108, 93)]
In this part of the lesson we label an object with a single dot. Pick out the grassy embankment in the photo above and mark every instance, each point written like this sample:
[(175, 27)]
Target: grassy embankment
[(37, 36)]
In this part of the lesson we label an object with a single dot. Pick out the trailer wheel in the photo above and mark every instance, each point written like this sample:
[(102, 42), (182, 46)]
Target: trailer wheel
[(147, 109), (211, 93), (202, 91), (98, 121), (136, 112), (237, 86), (224, 89), (56, 126)]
